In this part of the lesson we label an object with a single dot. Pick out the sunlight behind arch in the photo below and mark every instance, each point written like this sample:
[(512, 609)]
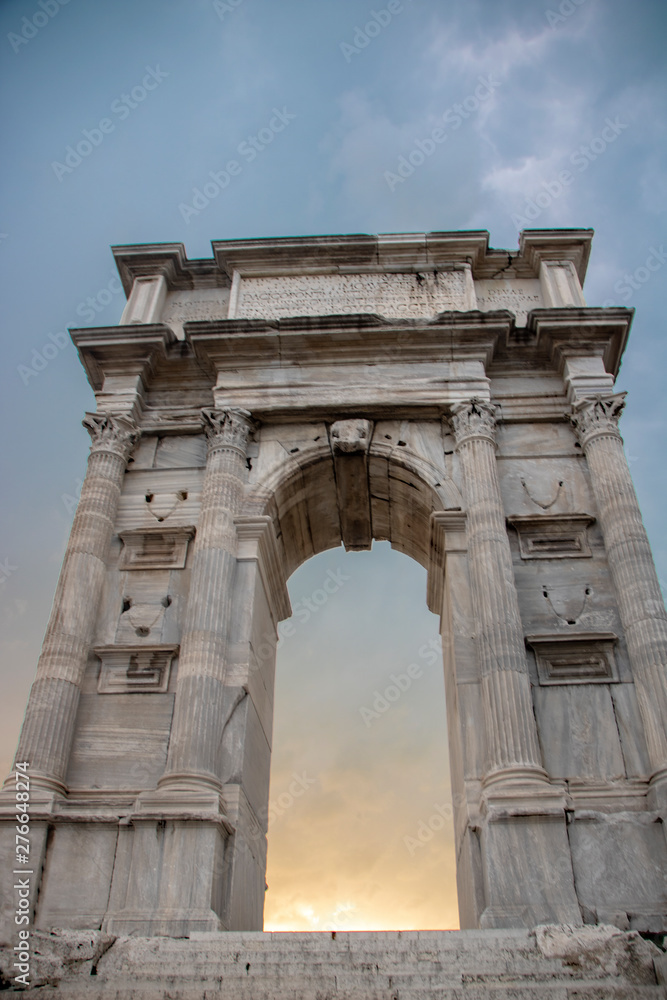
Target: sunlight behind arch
[(360, 830)]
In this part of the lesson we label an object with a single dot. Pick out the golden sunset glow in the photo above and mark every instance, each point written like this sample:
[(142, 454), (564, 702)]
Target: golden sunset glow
[(360, 832)]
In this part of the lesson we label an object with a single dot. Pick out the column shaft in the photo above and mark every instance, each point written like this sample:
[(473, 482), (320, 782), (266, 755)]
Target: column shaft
[(194, 748), (510, 720), (640, 603), (48, 727)]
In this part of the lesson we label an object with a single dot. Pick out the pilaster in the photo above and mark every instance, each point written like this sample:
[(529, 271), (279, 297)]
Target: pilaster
[(638, 595), (49, 723), (509, 718), (194, 748)]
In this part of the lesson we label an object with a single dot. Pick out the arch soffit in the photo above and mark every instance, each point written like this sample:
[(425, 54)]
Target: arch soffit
[(404, 488)]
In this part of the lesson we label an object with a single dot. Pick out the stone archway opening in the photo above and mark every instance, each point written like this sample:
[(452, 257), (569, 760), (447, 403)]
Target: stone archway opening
[(360, 832), (361, 483)]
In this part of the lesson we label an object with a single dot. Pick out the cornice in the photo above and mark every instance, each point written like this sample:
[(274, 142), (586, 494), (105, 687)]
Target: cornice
[(144, 260), (585, 331), (353, 253), (359, 338), (536, 245), (121, 350)]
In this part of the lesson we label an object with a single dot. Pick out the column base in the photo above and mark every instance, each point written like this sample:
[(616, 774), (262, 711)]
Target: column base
[(657, 793), (186, 781), (176, 801), (42, 785)]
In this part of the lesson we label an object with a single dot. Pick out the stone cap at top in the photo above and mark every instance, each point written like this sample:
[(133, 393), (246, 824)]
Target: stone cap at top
[(402, 276), (397, 252)]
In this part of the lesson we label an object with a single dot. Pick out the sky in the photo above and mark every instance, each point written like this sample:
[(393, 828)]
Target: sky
[(158, 96)]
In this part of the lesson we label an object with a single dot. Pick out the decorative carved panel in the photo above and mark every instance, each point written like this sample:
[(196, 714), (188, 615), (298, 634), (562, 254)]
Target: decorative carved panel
[(155, 548), (552, 536), (584, 658), (134, 670)]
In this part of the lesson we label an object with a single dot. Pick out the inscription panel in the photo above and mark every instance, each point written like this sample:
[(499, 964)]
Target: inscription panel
[(190, 306), (519, 295), (395, 295)]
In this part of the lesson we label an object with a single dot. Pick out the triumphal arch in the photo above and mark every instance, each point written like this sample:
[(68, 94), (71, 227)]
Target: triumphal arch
[(273, 401)]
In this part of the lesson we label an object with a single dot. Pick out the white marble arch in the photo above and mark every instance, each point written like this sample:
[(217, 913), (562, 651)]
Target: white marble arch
[(422, 430)]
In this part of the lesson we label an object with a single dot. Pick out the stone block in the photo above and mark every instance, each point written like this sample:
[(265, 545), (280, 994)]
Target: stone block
[(578, 731), (75, 887), (620, 864)]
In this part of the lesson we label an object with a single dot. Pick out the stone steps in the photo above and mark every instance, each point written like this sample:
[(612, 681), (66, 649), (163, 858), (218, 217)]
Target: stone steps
[(550, 963)]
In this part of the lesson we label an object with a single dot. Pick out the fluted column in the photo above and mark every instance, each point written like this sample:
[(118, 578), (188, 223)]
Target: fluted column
[(513, 747), (48, 728), (638, 595), (194, 747)]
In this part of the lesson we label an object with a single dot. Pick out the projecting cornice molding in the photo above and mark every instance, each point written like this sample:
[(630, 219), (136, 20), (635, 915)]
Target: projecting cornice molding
[(121, 351), (537, 245), (147, 260), (354, 253), (363, 337), (566, 332)]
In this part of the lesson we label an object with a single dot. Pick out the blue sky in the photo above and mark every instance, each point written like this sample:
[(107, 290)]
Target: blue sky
[(574, 88)]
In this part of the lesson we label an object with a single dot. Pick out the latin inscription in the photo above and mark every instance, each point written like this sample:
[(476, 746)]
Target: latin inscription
[(184, 307), (396, 295), (517, 295)]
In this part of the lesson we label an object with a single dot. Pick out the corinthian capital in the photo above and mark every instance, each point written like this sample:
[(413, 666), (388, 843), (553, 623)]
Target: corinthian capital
[(475, 418), (226, 429), (111, 433), (597, 416)]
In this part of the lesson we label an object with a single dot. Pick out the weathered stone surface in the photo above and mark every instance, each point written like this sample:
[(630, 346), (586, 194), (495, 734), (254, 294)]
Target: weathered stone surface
[(402, 295), (551, 963), (418, 388)]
